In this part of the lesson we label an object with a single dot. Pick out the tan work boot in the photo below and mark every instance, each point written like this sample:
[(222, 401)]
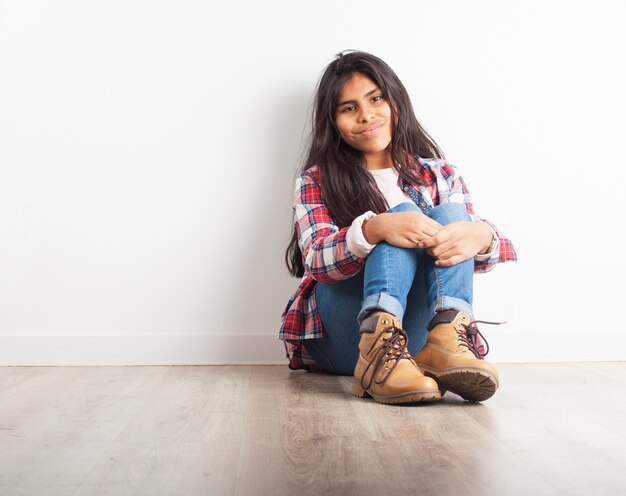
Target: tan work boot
[(385, 369), (452, 355)]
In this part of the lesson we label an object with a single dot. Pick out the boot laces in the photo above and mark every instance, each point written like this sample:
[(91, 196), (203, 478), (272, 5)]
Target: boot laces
[(471, 338), (394, 349)]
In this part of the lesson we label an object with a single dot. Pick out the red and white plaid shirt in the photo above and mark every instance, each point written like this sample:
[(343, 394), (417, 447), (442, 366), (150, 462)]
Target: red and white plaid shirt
[(326, 256)]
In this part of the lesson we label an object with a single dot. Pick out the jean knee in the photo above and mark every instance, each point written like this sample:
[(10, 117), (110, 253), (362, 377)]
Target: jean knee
[(449, 212), (405, 207)]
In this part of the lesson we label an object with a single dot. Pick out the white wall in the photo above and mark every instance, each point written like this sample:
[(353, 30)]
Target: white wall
[(148, 149)]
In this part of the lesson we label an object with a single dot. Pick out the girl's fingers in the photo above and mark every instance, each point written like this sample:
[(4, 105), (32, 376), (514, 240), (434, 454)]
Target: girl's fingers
[(443, 250), (431, 226), (451, 257), (446, 258), (430, 231), (431, 241), (449, 262), (427, 242), (433, 223)]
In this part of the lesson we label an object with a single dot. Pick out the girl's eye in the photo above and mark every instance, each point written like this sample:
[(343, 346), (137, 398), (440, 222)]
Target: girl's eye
[(377, 98), (347, 109)]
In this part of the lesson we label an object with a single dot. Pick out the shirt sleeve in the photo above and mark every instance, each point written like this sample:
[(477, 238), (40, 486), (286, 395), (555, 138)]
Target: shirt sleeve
[(503, 252), (357, 243), (325, 253)]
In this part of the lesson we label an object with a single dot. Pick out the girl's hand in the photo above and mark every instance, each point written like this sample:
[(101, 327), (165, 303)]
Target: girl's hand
[(403, 229), (457, 242)]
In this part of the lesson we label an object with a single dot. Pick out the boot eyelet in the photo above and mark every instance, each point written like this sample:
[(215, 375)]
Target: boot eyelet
[(385, 322)]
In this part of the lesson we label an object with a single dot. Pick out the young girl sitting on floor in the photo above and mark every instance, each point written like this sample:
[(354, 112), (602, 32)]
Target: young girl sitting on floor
[(386, 243)]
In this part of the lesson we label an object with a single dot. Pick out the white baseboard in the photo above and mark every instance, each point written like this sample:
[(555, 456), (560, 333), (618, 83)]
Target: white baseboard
[(259, 349), (138, 349)]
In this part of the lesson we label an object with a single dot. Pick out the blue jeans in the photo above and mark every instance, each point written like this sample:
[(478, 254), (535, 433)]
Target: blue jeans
[(404, 282)]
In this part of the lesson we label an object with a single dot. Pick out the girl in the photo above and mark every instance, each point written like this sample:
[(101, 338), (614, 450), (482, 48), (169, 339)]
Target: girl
[(386, 243)]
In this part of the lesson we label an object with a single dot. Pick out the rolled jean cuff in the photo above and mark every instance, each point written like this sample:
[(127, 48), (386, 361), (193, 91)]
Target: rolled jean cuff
[(450, 303), (382, 302)]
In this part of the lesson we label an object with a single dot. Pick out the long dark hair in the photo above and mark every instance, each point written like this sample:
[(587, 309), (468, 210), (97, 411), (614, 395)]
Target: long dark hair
[(348, 190)]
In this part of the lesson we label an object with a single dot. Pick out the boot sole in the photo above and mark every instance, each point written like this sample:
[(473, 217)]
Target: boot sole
[(469, 383), (409, 397)]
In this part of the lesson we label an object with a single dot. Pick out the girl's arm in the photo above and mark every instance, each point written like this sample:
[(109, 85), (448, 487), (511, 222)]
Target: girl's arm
[(324, 247), (460, 241), (403, 229), (453, 189)]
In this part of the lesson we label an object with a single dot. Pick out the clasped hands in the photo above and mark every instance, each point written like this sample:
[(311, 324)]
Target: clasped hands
[(448, 245)]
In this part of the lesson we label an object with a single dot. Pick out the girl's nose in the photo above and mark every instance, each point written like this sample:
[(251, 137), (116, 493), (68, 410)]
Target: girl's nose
[(366, 114)]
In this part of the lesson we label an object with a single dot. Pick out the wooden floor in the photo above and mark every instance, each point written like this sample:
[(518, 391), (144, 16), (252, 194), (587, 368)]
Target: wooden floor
[(265, 430)]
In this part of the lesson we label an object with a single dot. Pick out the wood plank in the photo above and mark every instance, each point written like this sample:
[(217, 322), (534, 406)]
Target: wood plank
[(185, 439), (56, 422), (550, 429)]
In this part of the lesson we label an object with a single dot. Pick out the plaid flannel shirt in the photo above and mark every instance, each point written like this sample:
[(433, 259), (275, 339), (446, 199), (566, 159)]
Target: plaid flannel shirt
[(325, 251)]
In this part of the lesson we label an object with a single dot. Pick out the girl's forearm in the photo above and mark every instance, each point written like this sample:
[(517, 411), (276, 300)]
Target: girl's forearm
[(374, 229)]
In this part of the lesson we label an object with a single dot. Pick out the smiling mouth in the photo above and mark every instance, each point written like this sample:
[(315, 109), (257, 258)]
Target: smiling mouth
[(371, 130)]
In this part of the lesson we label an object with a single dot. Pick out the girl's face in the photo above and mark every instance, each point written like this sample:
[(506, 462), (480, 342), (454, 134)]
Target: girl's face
[(363, 117)]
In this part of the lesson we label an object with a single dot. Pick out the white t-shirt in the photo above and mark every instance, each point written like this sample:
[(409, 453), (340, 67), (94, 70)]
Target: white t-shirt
[(387, 182)]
